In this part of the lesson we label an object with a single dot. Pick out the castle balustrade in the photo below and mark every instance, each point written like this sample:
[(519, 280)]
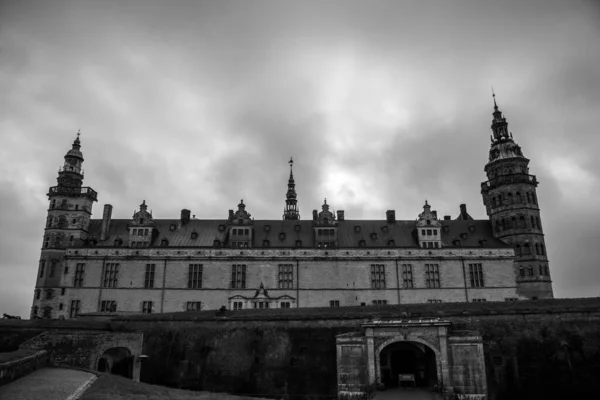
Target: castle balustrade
[(73, 191), (505, 179)]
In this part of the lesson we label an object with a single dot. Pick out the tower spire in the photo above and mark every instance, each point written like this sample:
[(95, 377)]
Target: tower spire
[(291, 212)]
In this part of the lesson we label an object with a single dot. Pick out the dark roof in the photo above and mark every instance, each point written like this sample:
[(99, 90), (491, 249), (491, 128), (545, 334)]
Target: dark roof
[(375, 233)]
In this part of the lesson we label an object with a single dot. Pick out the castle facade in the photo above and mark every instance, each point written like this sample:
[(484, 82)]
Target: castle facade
[(149, 265)]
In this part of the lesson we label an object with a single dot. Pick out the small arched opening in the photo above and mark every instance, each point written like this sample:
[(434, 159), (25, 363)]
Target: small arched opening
[(401, 361), (117, 361)]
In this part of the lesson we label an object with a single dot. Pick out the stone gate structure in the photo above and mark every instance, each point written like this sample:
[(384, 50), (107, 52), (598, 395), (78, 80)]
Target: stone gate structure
[(459, 359)]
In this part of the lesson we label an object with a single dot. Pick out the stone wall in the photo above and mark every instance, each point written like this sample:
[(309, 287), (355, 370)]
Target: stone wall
[(15, 369), (533, 349)]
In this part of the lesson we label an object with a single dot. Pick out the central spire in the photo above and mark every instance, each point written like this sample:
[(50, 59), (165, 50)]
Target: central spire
[(290, 212)]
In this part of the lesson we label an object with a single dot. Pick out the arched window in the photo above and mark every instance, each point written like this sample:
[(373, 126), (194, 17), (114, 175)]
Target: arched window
[(47, 312), (320, 232), (527, 249), (57, 241), (530, 270), (498, 227), (53, 203), (62, 222), (518, 250), (542, 249), (493, 202), (519, 197), (537, 248), (34, 311), (533, 198), (505, 223), (528, 197), (533, 222), (546, 270), (522, 222), (521, 271), (541, 270), (537, 220), (165, 243), (510, 198), (513, 224)]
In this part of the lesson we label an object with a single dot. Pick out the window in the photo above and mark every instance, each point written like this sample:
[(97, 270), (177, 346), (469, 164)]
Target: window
[(164, 243), (73, 221), (108, 305), (49, 294), (63, 291), (530, 271), (434, 301), (42, 268), (286, 276), (53, 203), (334, 303), (377, 276), (193, 306), (407, 276), (149, 278), (518, 250), (78, 279), (238, 305), (546, 271), (422, 232), (66, 270), (75, 307), (37, 294), (478, 300), (521, 271), (511, 299), (428, 232), (238, 276), (285, 304), (195, 276), (111, 275), (52, 268), (379, 302), (476, 275), (147, 307), (261, 304), (34, 311), (432, 275)]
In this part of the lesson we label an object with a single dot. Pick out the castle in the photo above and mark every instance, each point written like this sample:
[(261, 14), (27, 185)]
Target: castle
[(149, 265)]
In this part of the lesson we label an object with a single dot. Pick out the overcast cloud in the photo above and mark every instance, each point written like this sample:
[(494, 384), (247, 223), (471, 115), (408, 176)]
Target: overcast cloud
[(383, 104)]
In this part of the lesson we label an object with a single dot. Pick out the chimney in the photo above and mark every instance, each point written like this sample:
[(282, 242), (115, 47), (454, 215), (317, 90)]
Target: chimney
[(447, 218), (185, 216), (105, 222), (463, 209), (340, 215), (230, 215), (315, 215), (390, 215)]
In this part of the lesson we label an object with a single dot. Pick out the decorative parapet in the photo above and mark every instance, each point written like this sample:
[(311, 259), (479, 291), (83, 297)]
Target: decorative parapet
[(12, 370)]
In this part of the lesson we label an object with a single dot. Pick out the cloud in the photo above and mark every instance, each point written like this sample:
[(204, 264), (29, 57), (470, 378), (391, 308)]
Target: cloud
[(382, 105)]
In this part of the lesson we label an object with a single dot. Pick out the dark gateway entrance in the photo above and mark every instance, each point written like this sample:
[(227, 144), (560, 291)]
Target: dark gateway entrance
[(118, 361), (400, 361)]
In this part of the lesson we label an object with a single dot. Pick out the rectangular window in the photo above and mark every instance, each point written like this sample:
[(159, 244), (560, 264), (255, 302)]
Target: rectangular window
[(407, 276), (37, 294), (476, 275), (377, 276), (238, 305), (149, 278), (286, 304), (134, 233), (75, 307), (511, 299), (434, 301), (478, 300), (52, 268), (193, 306), (428, 232), (66, 270), (195, 276), (108, 305), (63, 291), (78, 279), (147, 307), (261, 304), (42, 268), (111, 275), (379, 302), (238, 276), (432, 276), (334, 303), (60, 306), (286, 276)]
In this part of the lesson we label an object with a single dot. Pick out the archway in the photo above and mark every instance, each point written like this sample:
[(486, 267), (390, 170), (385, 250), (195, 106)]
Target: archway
[(118, 361), (408, 363)]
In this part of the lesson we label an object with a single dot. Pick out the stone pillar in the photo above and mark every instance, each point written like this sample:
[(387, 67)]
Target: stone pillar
[(445, 372), (370, 356)]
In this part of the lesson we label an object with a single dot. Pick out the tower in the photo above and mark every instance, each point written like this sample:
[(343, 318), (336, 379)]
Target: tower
[(291, 211), (67, 223), (511, 203)]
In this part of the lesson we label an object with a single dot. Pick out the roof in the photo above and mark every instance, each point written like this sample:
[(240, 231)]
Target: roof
[(375, 233)]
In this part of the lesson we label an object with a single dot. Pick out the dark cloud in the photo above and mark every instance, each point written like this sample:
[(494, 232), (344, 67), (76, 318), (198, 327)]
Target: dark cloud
[(382, 104)]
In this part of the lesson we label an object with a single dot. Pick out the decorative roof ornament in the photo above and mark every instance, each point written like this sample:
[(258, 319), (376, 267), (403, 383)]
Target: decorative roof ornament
[(325, 217), (241, 216), (291, 211), (142, 217), (428, 217)]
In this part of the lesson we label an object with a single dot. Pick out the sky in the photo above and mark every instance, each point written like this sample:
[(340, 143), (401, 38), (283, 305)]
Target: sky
[(382, 104)]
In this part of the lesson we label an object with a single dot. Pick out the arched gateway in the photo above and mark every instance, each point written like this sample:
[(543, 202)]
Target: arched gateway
[(424, 352)]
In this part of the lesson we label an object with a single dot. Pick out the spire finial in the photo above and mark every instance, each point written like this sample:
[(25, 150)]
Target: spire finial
[(291, 162), (494, 96), (325, 200)]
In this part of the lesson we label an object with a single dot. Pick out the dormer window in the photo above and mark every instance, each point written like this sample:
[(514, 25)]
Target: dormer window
[(164, 243), (446, 228), (361, 243), (221, 228), (265, 243), (297, 228), (391, 243), (217, 243), (118, 242), (456, 242), (172, 227), (463, 236), (194, 235), (267, 228), (357, 229), (282, 236), (373, 236), (298, 242)]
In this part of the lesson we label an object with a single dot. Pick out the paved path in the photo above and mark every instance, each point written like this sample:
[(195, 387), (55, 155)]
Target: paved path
[(407, 394), (47, 384)]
